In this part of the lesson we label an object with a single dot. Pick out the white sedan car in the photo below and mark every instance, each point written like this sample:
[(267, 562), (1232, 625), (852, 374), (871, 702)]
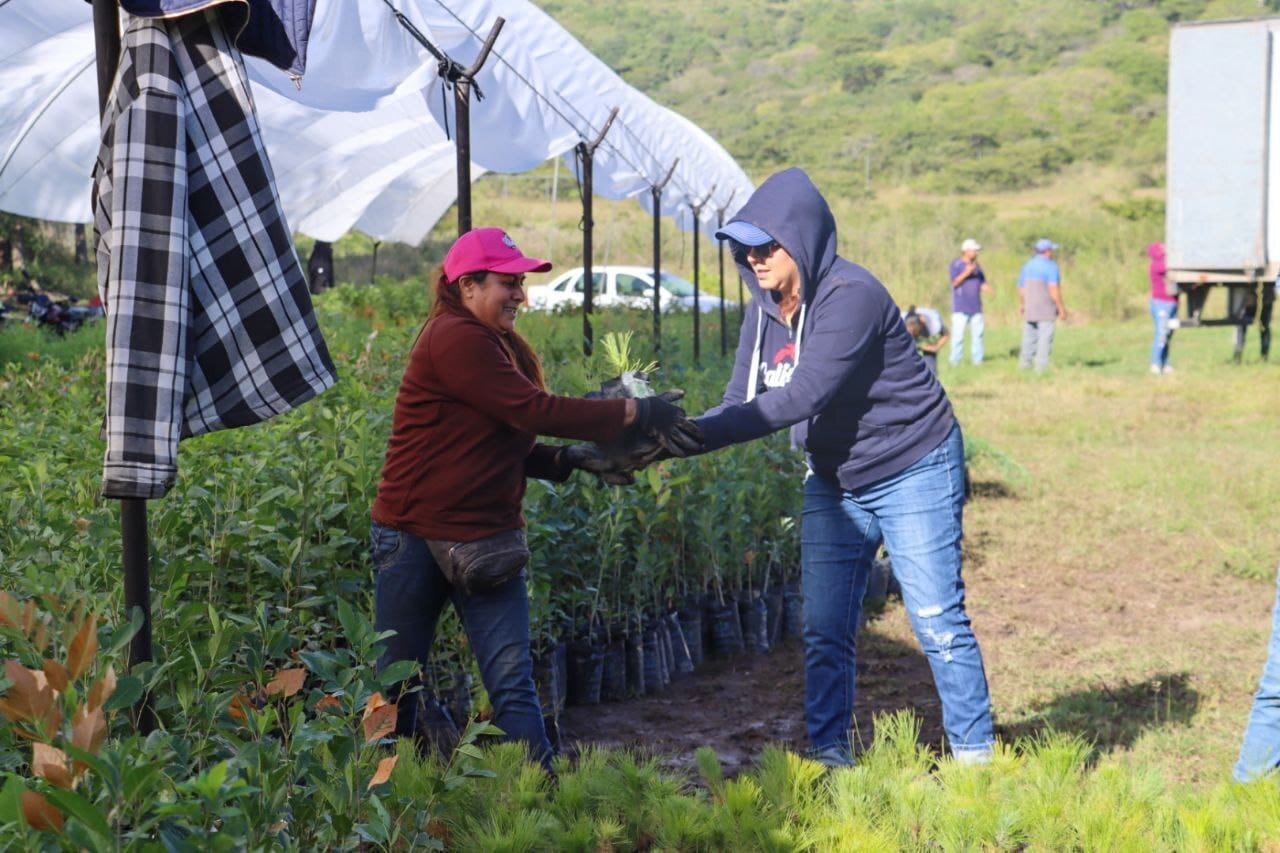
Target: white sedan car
[(620, 286)]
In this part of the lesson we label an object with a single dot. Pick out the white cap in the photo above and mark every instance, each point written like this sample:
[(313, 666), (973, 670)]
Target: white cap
[(970, 245)]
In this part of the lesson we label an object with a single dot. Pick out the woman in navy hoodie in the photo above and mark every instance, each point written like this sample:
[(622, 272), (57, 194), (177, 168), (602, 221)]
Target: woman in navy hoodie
[(824, 351)]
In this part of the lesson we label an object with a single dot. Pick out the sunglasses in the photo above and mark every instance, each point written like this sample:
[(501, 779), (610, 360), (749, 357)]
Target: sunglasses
[(761, 251)]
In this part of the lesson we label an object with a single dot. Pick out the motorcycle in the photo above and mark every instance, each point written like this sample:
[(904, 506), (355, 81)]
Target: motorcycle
[(60, 316)]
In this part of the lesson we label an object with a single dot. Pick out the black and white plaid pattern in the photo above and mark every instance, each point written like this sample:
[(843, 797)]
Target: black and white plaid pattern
[(209, 320)]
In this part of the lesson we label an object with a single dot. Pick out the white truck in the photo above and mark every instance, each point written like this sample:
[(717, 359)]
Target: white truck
[(1222, 211)]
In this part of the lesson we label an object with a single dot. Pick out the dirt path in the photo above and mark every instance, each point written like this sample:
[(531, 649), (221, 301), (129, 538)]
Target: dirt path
[(739, 705)]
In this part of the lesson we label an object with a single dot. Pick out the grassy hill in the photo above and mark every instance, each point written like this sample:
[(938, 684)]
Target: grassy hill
[(945, 95)]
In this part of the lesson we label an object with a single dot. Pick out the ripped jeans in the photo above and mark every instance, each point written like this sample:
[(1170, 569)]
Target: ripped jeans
[(918, 513)]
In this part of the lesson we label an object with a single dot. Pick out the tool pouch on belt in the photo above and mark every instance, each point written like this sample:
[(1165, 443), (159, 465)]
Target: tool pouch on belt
[(483, 564)]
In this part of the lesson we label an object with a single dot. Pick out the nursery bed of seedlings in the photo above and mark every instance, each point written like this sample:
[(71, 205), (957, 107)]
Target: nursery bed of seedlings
[(274, 721)]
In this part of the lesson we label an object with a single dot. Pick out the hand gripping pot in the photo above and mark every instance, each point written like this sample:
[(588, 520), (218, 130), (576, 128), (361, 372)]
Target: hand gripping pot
[(483, 564)]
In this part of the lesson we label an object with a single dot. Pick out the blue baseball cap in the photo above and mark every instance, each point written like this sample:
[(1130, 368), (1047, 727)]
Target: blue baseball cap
[(744, 233), (1044, 244)]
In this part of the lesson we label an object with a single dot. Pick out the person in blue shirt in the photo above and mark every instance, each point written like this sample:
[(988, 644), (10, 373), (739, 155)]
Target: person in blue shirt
[(968, 284), (1040, 304), (823, 350)]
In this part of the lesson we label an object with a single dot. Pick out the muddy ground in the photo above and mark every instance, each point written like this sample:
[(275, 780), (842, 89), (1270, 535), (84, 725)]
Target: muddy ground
[(739, 705)]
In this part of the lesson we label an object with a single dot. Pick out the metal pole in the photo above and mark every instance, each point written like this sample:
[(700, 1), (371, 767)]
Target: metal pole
[(462, 80), (137, 593), (697, 295), (462, 151), (587, 152), (724, 322), (133, 511), (588, 280), (656, 192), (724, 339), (106, 41), (373, 270), (697, 272)]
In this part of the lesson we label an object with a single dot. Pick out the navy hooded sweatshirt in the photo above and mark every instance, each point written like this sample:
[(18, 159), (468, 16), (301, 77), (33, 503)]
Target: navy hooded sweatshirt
[(846, 376)]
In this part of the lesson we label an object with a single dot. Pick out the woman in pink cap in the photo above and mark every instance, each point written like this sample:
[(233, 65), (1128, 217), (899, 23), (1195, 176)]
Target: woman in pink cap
[(463, 439)]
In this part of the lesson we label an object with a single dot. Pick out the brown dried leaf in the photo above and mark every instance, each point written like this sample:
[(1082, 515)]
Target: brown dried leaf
[(102, 689), (380, 723), (52, 721), (41, 637), (83, 647), (57, 674), (28, 617), (278, 826), (287, 682), (239, 708), (9, 617), (383, 773), (50, 764), (39, 813), (374, 703), (329, 702), (29, 697), (89, 727)]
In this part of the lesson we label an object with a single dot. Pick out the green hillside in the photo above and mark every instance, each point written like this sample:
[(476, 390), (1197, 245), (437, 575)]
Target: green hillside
[(943, 95)]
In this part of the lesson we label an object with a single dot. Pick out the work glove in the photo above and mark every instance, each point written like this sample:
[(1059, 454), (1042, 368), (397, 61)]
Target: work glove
[(662, 420), (590, 458)]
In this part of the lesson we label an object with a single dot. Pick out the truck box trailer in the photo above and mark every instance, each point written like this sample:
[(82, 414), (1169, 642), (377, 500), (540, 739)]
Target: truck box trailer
[(1222, 210)]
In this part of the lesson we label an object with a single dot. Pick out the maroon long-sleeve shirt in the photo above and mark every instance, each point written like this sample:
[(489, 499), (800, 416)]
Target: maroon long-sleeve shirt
[(463, 435)]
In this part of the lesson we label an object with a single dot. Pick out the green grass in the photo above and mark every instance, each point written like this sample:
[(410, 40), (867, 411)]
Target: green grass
[(25, 344), (1041, 793)]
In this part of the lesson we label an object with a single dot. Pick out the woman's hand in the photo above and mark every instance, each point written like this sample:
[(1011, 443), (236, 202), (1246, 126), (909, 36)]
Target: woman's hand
[(661, 419), (589, 457)]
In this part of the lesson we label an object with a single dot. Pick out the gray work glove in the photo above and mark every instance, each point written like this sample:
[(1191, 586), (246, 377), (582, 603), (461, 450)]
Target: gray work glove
[(590, 458)]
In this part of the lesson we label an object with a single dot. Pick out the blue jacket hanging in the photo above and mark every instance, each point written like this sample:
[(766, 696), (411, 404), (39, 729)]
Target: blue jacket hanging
[(276, 30)]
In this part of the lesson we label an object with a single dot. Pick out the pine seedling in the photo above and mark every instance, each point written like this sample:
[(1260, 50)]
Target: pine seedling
[(615, 350), (791, 784), (709, 766)]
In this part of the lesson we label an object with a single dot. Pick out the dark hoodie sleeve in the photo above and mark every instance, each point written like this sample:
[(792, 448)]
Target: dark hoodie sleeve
[(736, 391), (845, 325)]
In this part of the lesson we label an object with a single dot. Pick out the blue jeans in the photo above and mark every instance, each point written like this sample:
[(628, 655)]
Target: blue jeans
[(409, 593), (918, 513), (1260, 752), (976, 326), (1161, 313)]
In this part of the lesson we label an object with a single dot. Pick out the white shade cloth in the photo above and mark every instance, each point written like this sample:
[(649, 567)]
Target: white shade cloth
[(360, 143)]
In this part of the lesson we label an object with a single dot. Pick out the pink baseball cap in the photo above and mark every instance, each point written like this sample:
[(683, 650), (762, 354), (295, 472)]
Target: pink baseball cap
[(490, 249)]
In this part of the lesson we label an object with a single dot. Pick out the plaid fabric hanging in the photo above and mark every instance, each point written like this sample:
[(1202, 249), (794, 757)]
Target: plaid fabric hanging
[(209, 320)]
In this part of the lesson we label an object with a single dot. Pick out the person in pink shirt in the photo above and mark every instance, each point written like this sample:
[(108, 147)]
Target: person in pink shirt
[(1164, 310)]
